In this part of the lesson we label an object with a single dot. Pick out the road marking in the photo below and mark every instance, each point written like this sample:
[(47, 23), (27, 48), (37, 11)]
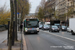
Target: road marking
[(60, 36), (66, 44)]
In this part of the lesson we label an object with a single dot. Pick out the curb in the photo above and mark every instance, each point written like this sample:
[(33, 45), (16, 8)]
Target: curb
[(24, 43)]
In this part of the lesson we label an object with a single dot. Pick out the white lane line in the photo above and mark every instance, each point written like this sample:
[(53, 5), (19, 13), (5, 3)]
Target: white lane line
[(60, 36), (66, 44)]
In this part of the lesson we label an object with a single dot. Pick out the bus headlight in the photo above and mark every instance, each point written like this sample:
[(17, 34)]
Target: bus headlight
[(37, 29), (26, 29)]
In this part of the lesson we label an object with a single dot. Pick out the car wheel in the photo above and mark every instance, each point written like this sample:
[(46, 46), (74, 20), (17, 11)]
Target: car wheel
[(58, 31), (72, 33), (49, 30), (67, 31)]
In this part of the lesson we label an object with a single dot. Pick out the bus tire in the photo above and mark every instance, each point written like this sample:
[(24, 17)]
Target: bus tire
[(24, 33)]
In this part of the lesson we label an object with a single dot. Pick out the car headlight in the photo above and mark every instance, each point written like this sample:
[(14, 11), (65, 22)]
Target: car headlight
[(62, 28), (52, 28)]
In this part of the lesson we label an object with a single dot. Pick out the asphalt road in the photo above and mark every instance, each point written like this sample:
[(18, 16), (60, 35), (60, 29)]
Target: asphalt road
[(50, 41)]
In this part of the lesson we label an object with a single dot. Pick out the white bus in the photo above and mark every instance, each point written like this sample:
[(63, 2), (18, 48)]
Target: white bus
[(31, 26)]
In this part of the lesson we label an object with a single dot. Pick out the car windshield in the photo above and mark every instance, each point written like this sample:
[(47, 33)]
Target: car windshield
[(63, 26), (57, 24), (46, 25), (40, 25), (54, 27)]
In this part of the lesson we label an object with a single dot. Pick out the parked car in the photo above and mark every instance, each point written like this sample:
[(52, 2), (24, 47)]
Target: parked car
[(2, 27), (45, 27), (6, 26), (64, 28), (40, 26), (58, 25), (54, 28), (68, 29)]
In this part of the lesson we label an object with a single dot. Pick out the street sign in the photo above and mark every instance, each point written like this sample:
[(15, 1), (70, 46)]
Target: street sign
[(17, 13)]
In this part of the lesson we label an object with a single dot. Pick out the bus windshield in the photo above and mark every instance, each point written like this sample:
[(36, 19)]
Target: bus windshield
[(32, 24)]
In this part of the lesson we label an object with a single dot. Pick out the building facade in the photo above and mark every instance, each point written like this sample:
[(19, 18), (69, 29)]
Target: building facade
[(49, 9), (64, 8)]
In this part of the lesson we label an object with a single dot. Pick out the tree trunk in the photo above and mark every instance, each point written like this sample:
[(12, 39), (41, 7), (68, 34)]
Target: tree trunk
[(11, 25), (15, 2)]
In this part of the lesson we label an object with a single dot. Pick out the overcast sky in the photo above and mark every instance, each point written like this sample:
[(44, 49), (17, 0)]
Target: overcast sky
[(34, 4)]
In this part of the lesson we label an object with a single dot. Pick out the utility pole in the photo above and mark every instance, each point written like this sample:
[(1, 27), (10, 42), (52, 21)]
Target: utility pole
[(11, 25), (15, 2)]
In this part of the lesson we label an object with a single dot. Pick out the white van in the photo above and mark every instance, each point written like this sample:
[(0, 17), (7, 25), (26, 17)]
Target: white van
[(47, 23), (72, 25)]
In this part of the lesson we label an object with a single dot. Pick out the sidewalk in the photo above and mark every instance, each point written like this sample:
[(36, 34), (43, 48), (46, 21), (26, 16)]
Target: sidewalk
[(17, 44), (3, 35)]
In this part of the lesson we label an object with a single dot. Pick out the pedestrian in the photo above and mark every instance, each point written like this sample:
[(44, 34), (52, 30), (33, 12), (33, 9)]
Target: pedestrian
[(21, 26)]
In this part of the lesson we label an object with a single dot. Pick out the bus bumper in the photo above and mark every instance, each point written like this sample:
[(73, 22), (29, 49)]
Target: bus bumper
[(31, 31)]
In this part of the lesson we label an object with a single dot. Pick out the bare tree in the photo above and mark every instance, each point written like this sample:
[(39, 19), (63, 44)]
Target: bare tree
[(42, 3), (24, 8), (40, 10)]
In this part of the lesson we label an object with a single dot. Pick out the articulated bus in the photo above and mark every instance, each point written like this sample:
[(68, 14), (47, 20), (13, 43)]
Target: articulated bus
[(31, 26)]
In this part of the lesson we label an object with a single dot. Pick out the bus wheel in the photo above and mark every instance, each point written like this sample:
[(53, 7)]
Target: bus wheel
[(36, 32), (24, 33)]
